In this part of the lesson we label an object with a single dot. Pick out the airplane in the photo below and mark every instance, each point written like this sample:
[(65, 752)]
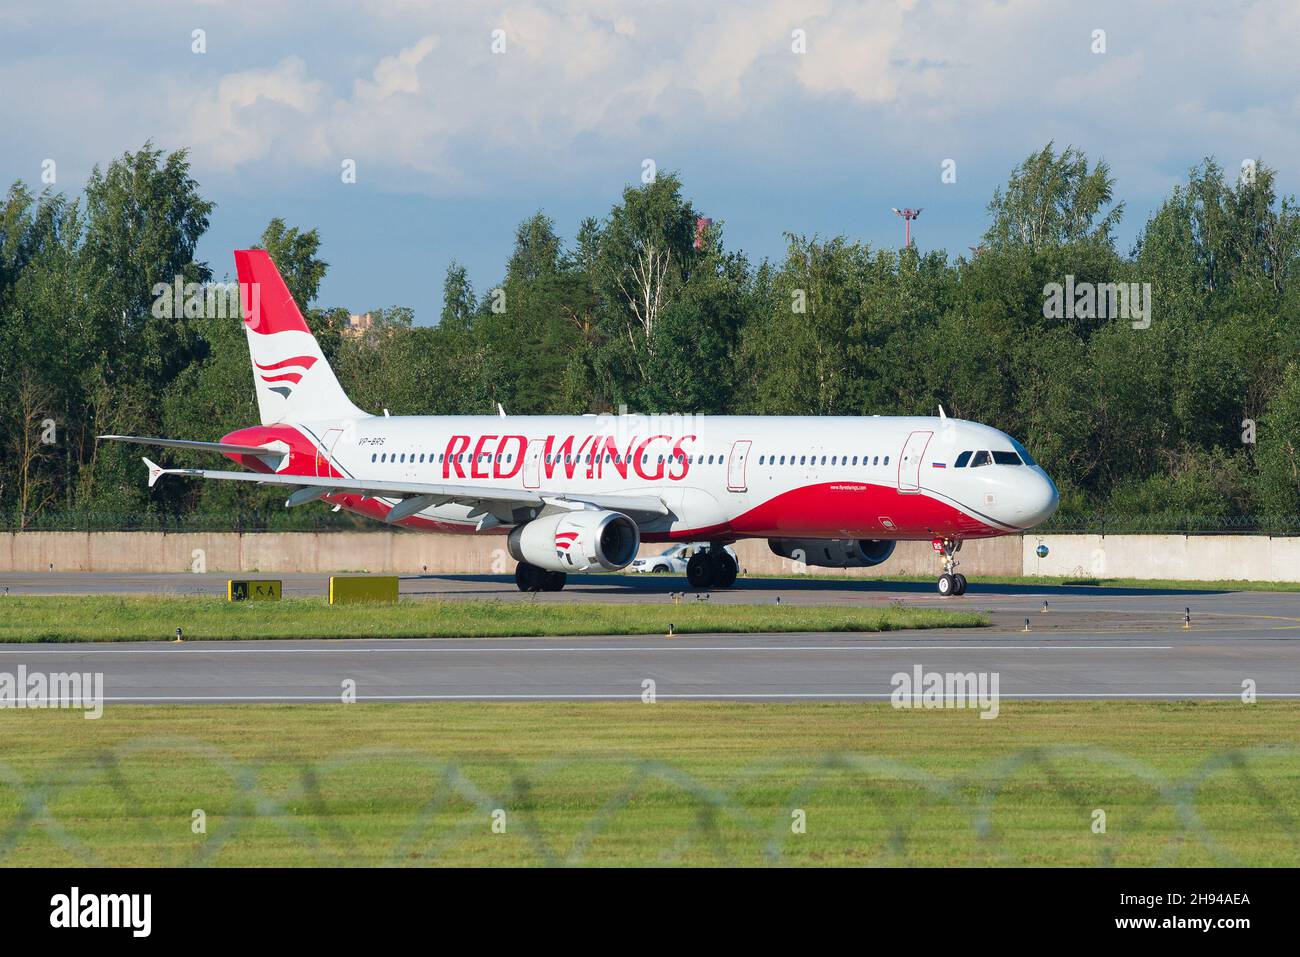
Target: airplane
[(581, 493)]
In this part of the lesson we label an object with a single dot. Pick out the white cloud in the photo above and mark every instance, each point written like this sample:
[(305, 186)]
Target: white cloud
[(240, 121), (396, 74), (415, 93)]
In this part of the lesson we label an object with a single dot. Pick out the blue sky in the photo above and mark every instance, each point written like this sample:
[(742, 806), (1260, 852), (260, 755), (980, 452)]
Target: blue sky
[(455, 144)]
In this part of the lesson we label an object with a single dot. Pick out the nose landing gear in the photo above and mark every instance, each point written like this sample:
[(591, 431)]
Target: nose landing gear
[(950, 582)]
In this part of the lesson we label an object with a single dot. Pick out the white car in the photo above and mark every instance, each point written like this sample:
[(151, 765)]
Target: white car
[(672, 560)]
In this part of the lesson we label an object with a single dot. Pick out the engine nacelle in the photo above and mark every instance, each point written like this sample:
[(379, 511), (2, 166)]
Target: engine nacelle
[(583, 540), (833, 552)]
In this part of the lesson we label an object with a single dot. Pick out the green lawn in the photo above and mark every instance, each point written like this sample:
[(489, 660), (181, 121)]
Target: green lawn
[(109, 618), (666, 783)]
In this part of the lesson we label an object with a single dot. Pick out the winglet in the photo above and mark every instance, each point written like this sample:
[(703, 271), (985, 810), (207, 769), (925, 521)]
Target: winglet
[(942, 414), (155, 471), (501, 409)]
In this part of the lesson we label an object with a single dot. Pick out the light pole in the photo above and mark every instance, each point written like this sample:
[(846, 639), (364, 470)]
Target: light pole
[(908, 215)]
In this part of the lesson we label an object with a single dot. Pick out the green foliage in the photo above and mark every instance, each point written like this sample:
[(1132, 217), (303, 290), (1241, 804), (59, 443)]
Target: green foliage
[(1141, 427)]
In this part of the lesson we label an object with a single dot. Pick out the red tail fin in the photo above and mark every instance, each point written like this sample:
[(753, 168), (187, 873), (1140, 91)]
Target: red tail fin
[(293, 379), (268, 306)]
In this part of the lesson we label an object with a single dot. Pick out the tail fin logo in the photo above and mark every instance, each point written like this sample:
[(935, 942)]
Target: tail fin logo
[(282, 376)]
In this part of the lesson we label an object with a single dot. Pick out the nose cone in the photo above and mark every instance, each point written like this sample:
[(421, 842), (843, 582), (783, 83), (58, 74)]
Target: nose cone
[(1040, 500)]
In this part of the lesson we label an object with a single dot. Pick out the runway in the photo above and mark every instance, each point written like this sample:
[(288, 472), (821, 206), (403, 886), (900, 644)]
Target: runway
[(1090, 643)]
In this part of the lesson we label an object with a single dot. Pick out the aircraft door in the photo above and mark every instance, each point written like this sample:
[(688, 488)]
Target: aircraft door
[(909, 463), (736, 465), (533, 464), (326, 451)]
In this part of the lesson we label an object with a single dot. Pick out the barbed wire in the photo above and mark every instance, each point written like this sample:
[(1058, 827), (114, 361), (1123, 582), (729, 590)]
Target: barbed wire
[(725, 826)]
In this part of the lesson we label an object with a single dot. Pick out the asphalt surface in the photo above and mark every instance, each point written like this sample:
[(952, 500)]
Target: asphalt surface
[(1089, 643)]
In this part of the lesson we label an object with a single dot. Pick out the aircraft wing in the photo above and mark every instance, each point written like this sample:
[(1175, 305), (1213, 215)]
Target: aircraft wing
[(417, 496)]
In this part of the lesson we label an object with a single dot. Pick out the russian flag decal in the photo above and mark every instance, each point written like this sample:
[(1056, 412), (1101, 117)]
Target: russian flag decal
[(939, 465)]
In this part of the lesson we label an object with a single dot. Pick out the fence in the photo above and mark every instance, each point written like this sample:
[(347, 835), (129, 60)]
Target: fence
[(1036, 806)]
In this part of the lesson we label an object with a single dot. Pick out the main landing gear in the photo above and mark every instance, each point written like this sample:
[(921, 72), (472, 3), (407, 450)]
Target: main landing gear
[(950, 582), (714, 568), (531, 578)]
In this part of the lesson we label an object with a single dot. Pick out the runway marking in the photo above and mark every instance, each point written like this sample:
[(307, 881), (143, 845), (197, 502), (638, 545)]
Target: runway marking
[(635, 696), (571, 649)]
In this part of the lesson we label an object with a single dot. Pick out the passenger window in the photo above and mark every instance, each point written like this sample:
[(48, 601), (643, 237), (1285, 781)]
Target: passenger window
[(886, 459), (981, 458), (876, 461), (962, 460), (373, 456), (855, 460), (832, 460), (803, 459)]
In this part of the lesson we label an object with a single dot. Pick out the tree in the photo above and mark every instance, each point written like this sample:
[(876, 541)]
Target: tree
[(1054, 200), (457, 298), (294, 254), (645, 255)]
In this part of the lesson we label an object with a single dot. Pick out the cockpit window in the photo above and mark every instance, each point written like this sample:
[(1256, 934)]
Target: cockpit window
[(1006, 458), (981, 458), (1024, 455), (962, 460)]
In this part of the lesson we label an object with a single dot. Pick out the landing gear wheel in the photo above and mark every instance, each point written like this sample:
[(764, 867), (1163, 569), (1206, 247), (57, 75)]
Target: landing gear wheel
[(553, 581), (951, 582), (529, 577), (727, 570), (700, 570)]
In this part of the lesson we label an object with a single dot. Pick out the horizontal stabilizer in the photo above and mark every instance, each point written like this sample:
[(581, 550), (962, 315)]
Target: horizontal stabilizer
[(155, 471), (193, 444)]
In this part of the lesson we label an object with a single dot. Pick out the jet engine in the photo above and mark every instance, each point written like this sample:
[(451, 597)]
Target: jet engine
[(583, 540), (833, 552)]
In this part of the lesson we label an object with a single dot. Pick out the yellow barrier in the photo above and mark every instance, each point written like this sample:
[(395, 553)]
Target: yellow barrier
[(367, 588), (252, 590)]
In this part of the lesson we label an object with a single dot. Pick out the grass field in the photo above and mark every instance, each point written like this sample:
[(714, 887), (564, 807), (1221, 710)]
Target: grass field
[(668, 783), (109, 618)]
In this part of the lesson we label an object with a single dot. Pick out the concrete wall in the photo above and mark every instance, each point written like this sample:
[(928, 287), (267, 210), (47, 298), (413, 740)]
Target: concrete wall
[(1191, 557), (402, 552), (1196, 557), (394, 552)]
